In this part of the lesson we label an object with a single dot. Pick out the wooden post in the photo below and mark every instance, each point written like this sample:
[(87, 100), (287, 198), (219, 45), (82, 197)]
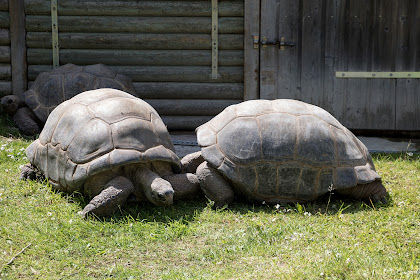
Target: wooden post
[(252, 59), (18, 47)]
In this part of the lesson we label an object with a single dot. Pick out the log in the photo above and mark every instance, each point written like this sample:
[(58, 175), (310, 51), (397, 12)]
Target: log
[(198, 74), (4, 5), (130, 41), (5, 88), (18, 46), (4, 37), (98, 24), (4, 54), (5, 72), (189, 90), (138, 58), (184, 122), (4, 20), (190, 107), (134, 8)]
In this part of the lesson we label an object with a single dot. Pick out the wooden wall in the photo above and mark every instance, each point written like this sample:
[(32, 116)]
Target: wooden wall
[(5, 69), (164, 46)]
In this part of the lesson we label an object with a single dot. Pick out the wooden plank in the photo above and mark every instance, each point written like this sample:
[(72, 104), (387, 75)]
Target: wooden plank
[(189, 107), (381, 99), (185, 122), (334, 89), (4, 20), (5, 72), (132, 57), (18, 47), (407, 100), (4, 5), (313, 51), (269, 61), (232, 8), (198, 74), (95, 24), (4, 54), (289, 60), (130, 41), (4, 37), (5, 88), (359, 20), (252, 60), (166, 90)]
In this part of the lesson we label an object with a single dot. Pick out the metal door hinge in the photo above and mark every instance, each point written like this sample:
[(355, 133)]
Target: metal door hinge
[(378, 75), (282, 44)]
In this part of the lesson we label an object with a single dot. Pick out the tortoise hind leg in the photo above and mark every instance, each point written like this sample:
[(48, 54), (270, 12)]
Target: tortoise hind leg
[(373, 191), (114, 194), (214, 185)]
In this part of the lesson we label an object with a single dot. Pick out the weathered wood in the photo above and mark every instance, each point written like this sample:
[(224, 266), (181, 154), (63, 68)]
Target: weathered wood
[(197, 74), (288, 78), (18, 47), (94, 24), (185, 122), (5, 72), (4, 20), (4, 5), (130, 41), (269, 55), (132, 57), (135, 8), (4, 37), (252, 60), (190, 107), (4, 54), (312, 52), (165, 90), (407, 100), (5, 88)]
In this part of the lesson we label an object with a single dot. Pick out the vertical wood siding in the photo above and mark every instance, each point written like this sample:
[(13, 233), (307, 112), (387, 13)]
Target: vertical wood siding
[(5, 69), (164, 46)]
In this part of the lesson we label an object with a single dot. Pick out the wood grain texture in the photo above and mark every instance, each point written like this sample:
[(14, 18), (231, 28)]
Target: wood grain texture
[(134, 41), (198, 74), (4, 37), (4, 5), (167, 90), (134, 57), (5, 72), (95, 24), (18, 47), (5, 88), (4, 20), (252, 60), (231, 8)]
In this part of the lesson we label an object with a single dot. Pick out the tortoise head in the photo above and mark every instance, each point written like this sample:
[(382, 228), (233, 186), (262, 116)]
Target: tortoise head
[(162, 193), (10, 104)]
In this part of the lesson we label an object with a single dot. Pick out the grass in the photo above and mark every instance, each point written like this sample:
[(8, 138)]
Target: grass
[(43, 237)]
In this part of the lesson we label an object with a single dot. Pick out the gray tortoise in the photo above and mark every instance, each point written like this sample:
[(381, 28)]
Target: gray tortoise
[(31, 111), (109, 144), (281, 151)]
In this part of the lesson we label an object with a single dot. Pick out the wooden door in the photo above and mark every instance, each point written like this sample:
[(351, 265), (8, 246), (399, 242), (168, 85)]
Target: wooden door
[(344, 36)]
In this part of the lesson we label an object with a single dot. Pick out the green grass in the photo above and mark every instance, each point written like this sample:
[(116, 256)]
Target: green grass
[(327, 239)]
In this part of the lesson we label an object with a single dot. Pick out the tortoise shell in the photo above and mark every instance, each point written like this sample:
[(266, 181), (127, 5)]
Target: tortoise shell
[(96, 131), (52, 88), (284, 150)]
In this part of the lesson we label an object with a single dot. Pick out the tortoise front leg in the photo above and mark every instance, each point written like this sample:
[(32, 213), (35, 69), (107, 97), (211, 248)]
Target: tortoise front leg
[(114, 194), (374, 192), (191, 162), (214, 185)]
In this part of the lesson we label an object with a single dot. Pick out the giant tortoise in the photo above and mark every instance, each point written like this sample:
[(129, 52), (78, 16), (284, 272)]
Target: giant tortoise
[(109, 144), (281, 151), (30, 112)]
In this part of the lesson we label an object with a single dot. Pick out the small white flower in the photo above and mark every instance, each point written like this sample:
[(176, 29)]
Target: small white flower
[(277, 206), (49, 214), (70, 221), (2, 148), (307, 214), (22, 149), (274, 219), (263, 203)]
